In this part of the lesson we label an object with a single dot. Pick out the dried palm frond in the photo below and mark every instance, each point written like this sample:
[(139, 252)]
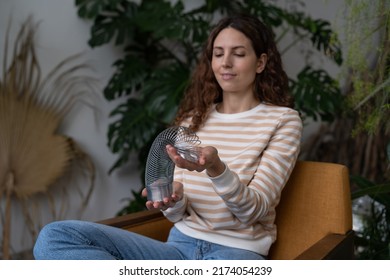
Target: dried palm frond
[(33, 155)]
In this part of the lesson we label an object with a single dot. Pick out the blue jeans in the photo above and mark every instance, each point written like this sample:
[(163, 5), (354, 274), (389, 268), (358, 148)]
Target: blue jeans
[(80, 240)]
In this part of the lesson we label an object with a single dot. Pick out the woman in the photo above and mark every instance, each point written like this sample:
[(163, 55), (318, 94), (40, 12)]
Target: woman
[(223, 206)]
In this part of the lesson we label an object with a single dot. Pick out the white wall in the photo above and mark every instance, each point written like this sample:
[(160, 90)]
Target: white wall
[(61, 34)]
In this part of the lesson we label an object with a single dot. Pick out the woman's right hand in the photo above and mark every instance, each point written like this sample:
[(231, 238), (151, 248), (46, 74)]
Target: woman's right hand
[(167, 202)]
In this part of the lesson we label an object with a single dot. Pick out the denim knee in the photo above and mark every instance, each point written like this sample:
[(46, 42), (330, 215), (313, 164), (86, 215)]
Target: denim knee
[(39, 250), (48, 238)]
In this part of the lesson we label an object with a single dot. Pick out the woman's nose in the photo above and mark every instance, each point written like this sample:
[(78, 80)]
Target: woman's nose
[(226, 61)]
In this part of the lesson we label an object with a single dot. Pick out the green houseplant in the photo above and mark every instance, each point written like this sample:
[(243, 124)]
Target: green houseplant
[(161, 41), (368, 62), (360, 137)]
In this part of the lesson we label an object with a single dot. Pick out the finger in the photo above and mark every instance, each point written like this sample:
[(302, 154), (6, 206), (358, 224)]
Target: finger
[(158, 204), (149, 205), (175, 198), (178, 160), (172, 153), (168, 202), (202, 160)]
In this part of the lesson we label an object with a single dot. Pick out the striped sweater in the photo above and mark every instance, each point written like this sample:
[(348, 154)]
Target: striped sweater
[(259, 148)]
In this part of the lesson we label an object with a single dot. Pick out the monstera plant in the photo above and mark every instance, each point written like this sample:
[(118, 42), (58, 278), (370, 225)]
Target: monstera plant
[(34, 156), (161, 41)]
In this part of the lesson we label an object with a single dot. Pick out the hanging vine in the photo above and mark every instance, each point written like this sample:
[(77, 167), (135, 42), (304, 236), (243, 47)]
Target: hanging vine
[(360, 137)]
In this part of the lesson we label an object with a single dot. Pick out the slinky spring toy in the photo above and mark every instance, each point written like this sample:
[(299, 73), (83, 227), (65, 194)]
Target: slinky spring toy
[(159, 167)]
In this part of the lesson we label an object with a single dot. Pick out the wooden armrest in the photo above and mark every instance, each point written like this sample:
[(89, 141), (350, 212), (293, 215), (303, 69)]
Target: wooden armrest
[(133, 219), (151, 223), (331, 247)]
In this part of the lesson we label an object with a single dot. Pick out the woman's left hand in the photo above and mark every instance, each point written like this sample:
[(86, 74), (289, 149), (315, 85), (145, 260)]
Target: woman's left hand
[(208, 160)]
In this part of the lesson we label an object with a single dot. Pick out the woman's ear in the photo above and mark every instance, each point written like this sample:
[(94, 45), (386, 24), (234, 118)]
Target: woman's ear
[(261, 63)]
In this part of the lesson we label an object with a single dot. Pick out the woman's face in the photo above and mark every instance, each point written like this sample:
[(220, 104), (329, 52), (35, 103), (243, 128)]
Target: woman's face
[(234, 62)]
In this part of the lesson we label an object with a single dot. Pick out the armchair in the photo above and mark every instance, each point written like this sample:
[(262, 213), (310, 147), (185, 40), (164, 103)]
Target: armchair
[(314, 216)]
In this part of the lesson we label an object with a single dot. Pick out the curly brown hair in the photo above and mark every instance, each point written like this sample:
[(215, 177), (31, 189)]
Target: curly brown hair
[(270, 86)]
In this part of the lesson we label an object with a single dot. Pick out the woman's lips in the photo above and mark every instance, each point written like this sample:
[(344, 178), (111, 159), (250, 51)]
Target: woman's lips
[(227, 76)]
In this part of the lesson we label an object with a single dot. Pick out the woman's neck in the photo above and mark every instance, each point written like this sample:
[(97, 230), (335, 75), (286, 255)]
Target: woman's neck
[(233, 105)]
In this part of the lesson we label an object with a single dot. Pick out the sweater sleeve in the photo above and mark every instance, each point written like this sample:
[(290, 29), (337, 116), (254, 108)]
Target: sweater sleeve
[(252, 202)]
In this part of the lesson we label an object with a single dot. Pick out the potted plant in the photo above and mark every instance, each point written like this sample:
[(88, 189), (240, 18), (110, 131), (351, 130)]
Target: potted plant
[(360, 137), (161, 41)]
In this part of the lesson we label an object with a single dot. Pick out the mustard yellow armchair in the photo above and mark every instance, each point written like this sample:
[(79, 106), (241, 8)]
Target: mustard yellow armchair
[(314, 216)]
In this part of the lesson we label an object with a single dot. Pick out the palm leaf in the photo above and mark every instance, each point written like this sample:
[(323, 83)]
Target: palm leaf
[(34, 156), (29, 149)]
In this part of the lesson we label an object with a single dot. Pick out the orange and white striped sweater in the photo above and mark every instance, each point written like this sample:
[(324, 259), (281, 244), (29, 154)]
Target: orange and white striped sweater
[(259, 148)]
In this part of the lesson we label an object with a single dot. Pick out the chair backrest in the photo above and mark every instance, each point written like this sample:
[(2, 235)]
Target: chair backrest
[(315, 202)]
